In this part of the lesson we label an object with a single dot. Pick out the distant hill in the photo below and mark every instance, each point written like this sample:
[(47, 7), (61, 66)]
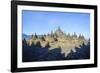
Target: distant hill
[(27, 37)]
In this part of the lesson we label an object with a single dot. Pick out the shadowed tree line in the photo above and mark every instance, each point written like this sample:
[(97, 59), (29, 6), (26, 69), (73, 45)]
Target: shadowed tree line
[(36, 52), (81, 53)]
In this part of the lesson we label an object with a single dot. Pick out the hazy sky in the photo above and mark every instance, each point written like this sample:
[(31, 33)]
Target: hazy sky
[(41, 22)]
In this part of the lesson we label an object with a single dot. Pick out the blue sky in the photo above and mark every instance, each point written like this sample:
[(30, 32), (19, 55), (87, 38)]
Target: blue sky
[(42, 22)]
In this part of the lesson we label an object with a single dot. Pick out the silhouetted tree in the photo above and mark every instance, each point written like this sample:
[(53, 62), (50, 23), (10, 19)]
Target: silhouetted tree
[(26, 52), (24, 41), (81, 53), (54, 54)]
